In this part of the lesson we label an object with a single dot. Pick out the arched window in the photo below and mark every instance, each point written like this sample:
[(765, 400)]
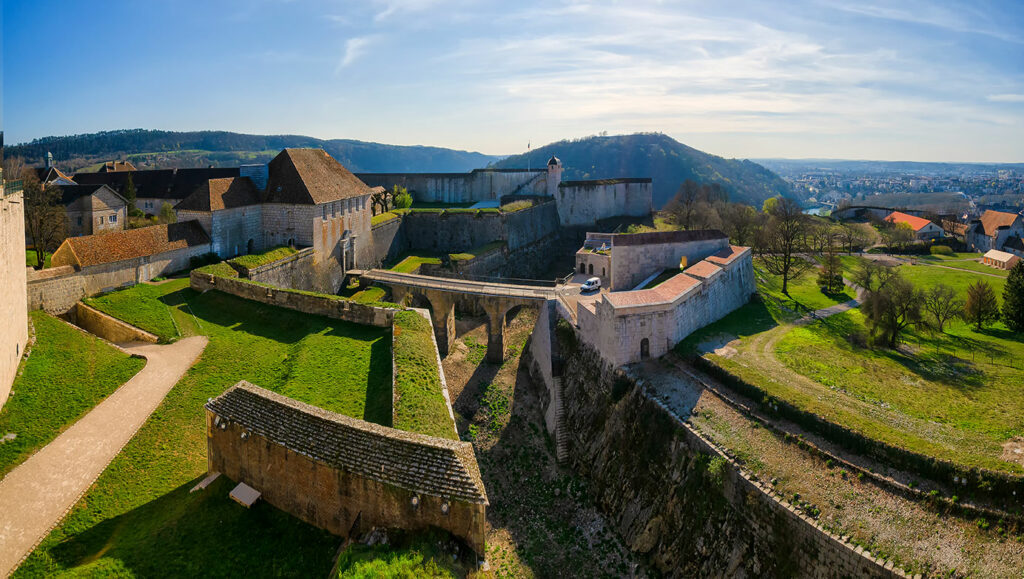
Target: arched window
[(645, 349)]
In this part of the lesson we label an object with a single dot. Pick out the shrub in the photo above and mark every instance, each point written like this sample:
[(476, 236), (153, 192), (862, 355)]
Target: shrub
[(941, 250)]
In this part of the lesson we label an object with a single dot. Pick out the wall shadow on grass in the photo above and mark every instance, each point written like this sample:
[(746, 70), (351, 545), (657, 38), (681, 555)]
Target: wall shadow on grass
[(201, 534)]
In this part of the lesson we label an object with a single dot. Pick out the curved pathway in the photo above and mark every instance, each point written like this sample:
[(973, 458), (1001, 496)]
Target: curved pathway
[(36, 495)]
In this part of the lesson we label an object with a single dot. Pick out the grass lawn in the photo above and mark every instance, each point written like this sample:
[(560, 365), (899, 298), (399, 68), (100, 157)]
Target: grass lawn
[(143, 306), (139, 517), (419, 404), (405, 555), (804, 293), (925, 276), (66, 375), (383, 218), (487, 247), (412, 263), (257, 259), (662, 278), (32, 260), (963, 261)]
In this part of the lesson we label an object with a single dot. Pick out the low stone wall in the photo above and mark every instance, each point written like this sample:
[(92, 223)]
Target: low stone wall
[(302, 301), (676, 498), (109, 328), (342, 474), (55, 290), (295, 271)]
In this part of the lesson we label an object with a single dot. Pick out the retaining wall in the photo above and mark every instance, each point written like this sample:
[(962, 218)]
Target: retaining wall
[(676, 498), (109, 328), (296, 271), (302, 301)]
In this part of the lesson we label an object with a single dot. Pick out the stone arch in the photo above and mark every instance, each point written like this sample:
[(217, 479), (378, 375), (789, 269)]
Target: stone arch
[(591, 268), (583, 267), (645, 349)]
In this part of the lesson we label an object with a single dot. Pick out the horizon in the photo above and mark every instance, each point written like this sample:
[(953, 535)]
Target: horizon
[(822, 80)]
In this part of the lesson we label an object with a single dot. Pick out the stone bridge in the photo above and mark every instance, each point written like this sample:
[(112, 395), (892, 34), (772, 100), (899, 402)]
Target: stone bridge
[(496, 299)]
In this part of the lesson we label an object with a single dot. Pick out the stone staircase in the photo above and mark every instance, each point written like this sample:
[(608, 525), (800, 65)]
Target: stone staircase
[(561, 439)]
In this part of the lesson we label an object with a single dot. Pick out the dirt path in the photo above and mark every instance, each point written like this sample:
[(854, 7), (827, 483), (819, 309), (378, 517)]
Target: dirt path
[(36, 495)]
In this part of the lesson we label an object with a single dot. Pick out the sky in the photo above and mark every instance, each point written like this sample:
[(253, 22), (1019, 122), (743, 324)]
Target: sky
[(891, 80)]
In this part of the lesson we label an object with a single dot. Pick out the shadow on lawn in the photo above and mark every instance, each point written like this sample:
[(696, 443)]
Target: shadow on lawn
[(201, 534)]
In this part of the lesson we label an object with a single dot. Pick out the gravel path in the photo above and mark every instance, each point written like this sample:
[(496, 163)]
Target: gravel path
[(35, 496)]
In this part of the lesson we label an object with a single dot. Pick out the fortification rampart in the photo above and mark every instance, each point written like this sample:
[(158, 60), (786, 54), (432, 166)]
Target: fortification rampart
[(477, 185), (295, 271), (308, 302), (587, 202), (342, 474), (14, 328), (649, 472)]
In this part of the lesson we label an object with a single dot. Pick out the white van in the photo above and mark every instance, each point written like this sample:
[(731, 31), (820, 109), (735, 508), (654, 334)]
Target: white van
[(591, 284)]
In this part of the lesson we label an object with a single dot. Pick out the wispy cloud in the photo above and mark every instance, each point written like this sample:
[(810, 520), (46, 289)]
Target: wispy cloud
[(355, 48), (1006, 98)]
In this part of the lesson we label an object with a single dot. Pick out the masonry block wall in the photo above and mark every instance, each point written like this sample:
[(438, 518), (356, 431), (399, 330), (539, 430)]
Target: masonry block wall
[(293, 272), (648, 473), (355, 471), (631, 264), (477, 185), (587, 202), (13, 310)]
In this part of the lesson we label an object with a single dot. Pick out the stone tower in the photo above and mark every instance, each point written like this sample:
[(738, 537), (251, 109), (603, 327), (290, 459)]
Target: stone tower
[(554, 175)]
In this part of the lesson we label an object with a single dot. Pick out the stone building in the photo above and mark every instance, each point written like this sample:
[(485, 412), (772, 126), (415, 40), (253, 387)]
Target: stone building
[(229, 210), (623, 260), (13, 310), (993, 230), (92, 209), (112, 260), (154, 187), (630, 326), (343, 474), (923, 228)]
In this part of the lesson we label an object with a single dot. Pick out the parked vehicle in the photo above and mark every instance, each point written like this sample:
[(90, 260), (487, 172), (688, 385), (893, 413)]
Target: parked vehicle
[(591, 284)]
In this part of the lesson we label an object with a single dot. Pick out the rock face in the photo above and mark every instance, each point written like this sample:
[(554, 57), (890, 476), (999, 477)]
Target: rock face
[(676, 499)]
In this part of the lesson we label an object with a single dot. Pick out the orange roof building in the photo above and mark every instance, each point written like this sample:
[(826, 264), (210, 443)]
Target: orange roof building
[(923, 228)]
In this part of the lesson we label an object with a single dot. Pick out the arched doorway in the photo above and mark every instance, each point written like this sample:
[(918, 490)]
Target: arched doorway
[(250, 247), (583, 268), (591, 269), (645, 349)]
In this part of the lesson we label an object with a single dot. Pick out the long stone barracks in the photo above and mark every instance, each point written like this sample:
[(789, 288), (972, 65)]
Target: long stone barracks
[(342, 474), (676, 282)]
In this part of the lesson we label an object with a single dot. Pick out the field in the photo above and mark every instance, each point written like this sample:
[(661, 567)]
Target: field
[(140, 518), (954, 395), (804, 293), (66, 375)]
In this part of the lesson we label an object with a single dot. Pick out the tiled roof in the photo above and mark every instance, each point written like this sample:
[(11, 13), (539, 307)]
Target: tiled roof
[(115, 166), (993, 220), (704, 269), (217, 194), (310, 177), (131, 243), (665, 292), (170, 184), (416, 462), (915, 223), (1000, 256), (727, 255), (47, 174), (71, 193), (1015, 243)]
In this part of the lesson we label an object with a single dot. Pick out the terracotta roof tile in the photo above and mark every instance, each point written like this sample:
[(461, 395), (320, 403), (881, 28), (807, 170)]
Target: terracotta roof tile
[(217, 194), (116, 166), (663, 293), (703, 268), (310, 177), (131, 243), (727, 255), (916, 223), (993, 220)]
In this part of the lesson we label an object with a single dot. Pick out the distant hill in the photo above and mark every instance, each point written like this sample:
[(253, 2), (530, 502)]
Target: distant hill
[(663, 159), (170, 149)]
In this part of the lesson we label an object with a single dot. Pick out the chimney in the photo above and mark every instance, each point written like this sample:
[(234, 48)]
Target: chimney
[(258, 174)]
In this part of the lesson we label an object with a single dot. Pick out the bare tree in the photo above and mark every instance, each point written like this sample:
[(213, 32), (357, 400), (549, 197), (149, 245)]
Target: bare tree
[(684, 204), (45, 220), (942, 304), (872, 275), (781, 243), (739, 221)]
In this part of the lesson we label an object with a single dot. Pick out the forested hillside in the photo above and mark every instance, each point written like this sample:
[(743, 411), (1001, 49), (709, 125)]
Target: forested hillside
[(665, 160), (166, 149)]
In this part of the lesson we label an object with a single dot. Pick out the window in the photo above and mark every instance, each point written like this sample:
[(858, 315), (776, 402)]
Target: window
[(113, 218), (325, 211), (79, 220), (99, 220)]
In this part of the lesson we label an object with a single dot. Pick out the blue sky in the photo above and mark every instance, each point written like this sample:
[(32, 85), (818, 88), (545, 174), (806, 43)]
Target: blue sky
[(910, 80)]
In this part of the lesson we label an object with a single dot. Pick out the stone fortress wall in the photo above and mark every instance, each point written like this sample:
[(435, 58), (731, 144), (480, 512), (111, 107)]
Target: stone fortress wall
[(587, 202), (477, 185), (343, 474), (13, 311)]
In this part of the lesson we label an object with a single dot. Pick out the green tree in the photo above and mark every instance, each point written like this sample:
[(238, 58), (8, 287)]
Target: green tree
[(891, 309), (981, 307), (167, 214), (1013, 299), (402, 199), (129, 193)]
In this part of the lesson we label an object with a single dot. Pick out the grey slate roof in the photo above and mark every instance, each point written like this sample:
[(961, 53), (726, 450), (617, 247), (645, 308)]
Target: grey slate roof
[(415, 462)]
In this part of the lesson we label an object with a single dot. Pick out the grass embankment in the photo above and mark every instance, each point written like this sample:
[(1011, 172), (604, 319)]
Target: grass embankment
[(804, 292), (139, 516), (419, 402), (383, 218), (954, 395), (412, 263), (143, 307), (662, 278), (254, 260), (405, 555), (66, 375), (32, 260)]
